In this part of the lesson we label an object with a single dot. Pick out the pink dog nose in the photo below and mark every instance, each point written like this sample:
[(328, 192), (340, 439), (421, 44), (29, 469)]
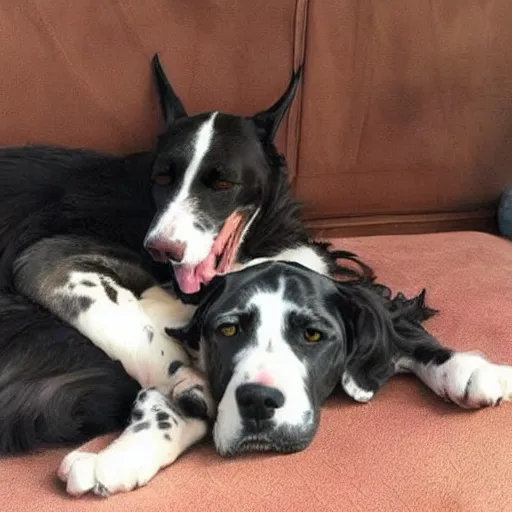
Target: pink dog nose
[(163, 250)]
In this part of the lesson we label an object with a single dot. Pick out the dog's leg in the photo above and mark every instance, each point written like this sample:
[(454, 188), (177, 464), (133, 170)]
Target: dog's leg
[(158, 433), (164, 423), (125, 328), (464, 378), (467, 379), (96, 294), (166, 420), (389, 338)]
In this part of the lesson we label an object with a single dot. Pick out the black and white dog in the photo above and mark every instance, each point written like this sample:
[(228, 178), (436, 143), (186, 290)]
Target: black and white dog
[(213, 200), (274, 340)]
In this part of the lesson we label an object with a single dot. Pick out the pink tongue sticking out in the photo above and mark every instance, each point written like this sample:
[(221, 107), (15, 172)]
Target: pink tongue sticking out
[(190, 277)]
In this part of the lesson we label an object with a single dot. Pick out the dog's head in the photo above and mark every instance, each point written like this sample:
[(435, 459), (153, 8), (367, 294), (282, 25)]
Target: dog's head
[(210, 175), (274, 340)]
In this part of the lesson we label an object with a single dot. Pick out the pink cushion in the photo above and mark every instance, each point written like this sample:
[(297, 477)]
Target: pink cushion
[(405, 450)]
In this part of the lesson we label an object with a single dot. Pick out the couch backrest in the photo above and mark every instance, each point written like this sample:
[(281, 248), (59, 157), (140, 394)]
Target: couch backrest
[(403, 121)]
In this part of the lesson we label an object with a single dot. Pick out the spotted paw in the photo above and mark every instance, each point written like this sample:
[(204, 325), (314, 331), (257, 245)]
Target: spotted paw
[(191, 391), (157, 435)]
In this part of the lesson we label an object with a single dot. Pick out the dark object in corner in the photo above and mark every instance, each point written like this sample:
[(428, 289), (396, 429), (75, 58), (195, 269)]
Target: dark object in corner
[(505, 213)]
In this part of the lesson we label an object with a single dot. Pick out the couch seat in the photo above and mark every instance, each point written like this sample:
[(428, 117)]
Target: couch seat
[(406, 450)]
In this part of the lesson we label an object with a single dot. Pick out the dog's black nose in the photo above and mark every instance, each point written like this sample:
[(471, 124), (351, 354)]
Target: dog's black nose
[(257, 402), (165, 250)]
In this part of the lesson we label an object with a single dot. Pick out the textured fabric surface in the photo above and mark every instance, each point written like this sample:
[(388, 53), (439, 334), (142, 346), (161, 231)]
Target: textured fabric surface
[(78, 73), (406, 107), (405, 451), (396, 97)]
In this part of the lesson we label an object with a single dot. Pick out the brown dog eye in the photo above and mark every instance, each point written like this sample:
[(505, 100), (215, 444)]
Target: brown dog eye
[(222, 185), (162, 180)]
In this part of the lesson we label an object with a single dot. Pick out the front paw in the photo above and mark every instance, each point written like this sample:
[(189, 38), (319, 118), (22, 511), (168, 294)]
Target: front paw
[(472, 382), (157, 435), (119, 468), (191, 392), (77, 471)]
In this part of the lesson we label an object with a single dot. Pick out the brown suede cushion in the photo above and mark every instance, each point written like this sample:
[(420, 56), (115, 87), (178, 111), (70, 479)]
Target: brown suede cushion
[(78, 73), (402, 96), (406, 450)]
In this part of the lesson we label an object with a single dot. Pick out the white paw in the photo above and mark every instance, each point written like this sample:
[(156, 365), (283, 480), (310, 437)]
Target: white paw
[(470, 381), (77, 471), (118, 468), (353, 390)]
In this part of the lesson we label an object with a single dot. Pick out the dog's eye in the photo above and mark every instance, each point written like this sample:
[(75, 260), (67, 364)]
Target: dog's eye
[(222, 185), (228, 330), (162, 180), (312, 335)]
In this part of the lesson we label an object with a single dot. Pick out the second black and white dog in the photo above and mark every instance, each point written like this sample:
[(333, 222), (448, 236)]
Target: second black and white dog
[(214, 201), (274, 340)]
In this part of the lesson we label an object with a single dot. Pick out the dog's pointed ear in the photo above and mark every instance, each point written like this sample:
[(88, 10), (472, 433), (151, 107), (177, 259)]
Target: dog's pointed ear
[(268, 121), (190, 335), (170, 104)]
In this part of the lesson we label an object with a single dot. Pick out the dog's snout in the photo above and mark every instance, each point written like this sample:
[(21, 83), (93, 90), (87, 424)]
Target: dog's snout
[(258, 402), (164, 250)]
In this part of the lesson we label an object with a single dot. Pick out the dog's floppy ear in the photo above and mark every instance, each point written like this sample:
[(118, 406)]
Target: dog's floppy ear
[(380, 330), (170, 104), (190, 335), (369, 360), (267, 122)]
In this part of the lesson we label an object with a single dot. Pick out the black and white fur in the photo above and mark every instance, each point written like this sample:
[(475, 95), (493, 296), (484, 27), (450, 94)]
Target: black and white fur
[(72, 227), (270, 381), (73, 224)]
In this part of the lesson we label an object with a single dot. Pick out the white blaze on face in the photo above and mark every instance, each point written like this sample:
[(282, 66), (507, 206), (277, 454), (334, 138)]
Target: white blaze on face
[(269, 360), (177, 222)]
